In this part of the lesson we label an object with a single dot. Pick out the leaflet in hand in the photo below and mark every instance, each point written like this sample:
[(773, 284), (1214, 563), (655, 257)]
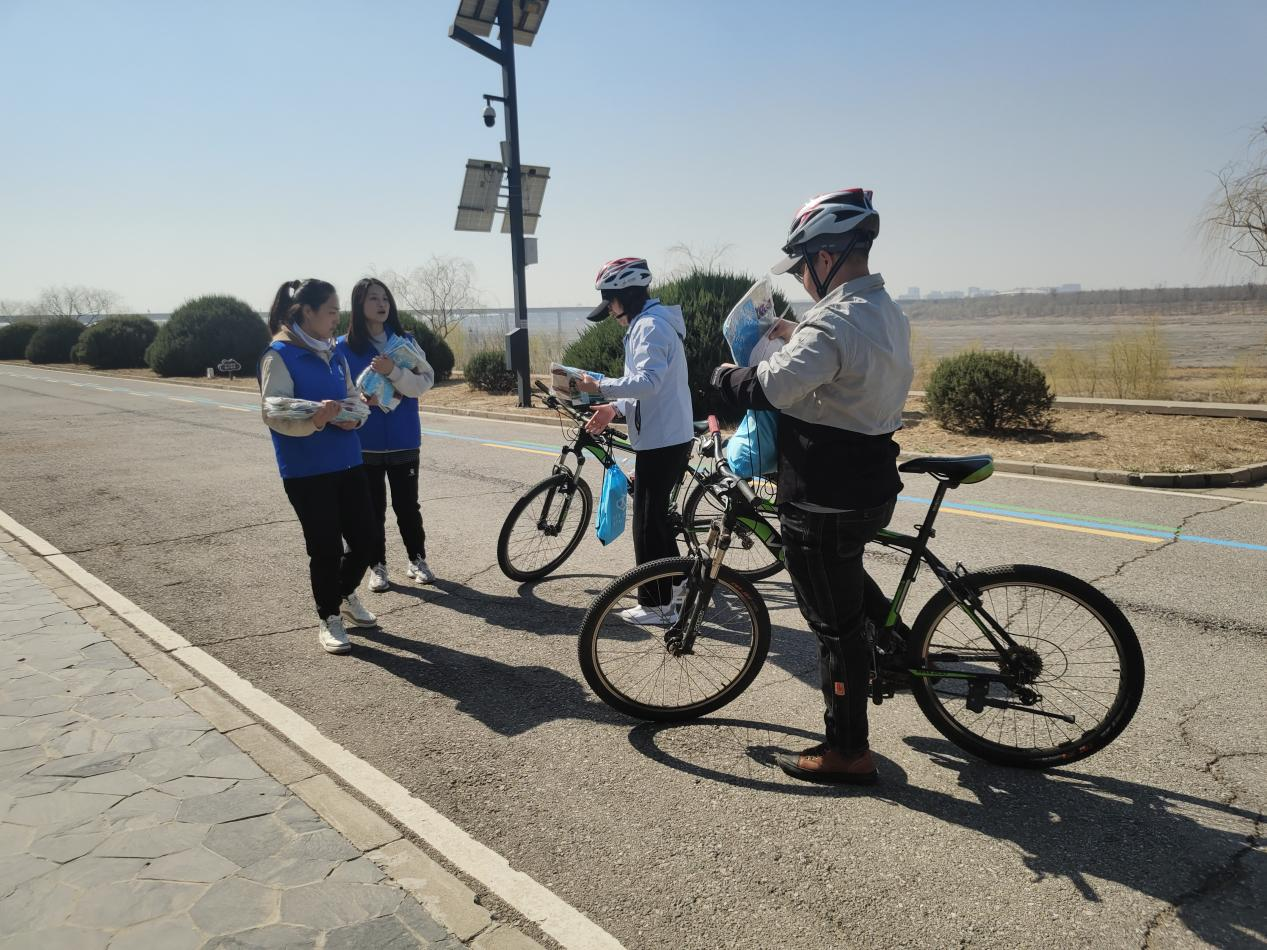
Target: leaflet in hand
[(749, 321), (288, 407), (563, 383), (406, 354)]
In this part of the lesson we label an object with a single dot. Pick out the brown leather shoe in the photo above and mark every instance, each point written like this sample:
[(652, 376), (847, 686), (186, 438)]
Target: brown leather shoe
[(821, 763)]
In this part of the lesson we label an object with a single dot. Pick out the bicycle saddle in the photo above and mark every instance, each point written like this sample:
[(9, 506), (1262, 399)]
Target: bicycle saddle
[(962, 470)]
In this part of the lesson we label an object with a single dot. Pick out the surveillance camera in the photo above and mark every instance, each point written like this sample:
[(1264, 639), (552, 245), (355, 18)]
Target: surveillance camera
[(490, 117)]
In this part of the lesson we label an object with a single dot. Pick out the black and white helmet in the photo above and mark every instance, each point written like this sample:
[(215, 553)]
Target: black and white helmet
[(620, 274), (838, 220)]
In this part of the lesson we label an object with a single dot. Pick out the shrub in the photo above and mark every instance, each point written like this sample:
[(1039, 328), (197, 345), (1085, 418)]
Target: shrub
[(204, 331), (487, 370), (116, 342), (600, 347), (989, 391), (439, 353), (706, 297), (14, 338), (53, 341)]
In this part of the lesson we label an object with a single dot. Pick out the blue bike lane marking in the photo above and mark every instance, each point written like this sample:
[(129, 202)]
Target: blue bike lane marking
[(1028, 516)]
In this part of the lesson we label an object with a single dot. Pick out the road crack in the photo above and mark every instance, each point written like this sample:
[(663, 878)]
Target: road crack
[(1174, 539), (202, 536), (1232, 871)]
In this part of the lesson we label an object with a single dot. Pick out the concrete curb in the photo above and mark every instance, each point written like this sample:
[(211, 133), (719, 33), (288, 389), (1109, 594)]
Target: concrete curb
[(1161, 407), (445, 896), (1222, 478)]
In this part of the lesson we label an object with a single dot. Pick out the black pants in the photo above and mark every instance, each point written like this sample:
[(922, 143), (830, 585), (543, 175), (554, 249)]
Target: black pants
[(403, 479), (332, 507), (835, 594), (656, 471)]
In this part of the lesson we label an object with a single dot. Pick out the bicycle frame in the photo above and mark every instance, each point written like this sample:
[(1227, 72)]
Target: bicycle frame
[(1011, 655)]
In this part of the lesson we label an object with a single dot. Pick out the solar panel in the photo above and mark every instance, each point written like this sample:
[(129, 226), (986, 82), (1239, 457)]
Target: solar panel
[(478, 16), (478, 202)]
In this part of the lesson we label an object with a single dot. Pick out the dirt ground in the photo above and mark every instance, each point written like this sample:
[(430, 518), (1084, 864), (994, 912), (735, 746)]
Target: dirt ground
[(1135, 442)]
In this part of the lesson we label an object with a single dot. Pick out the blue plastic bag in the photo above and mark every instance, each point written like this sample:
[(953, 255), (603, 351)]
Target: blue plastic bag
[(754, 448), (613, 499)]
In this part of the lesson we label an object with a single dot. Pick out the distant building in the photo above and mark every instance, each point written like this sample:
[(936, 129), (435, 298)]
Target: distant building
[(912, 293), (1069, 289)]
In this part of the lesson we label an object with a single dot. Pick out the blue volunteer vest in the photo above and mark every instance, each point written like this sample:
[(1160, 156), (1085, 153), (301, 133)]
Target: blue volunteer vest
[(330, 450), (384, 431)]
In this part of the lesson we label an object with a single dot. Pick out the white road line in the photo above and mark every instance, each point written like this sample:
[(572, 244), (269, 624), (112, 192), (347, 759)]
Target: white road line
[(552, 914)]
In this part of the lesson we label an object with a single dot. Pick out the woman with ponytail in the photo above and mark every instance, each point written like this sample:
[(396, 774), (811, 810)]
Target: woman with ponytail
[(390, 441), (320, 458)]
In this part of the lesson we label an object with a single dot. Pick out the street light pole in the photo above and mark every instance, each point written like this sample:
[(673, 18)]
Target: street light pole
[(505, 57), (515, 205)]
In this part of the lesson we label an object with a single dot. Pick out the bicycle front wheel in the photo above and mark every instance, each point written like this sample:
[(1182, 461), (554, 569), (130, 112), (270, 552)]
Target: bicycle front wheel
[(628, 662), (1075, 683), (748, 555), (544, 527)]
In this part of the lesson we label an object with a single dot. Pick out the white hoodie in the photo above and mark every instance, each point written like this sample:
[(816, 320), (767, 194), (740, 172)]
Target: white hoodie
[(653, 395)]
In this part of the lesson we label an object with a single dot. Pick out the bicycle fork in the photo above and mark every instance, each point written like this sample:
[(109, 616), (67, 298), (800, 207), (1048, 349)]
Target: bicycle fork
[(679, 639)]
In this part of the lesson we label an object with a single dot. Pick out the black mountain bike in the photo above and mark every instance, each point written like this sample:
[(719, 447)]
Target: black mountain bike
[(1018, 664), (546, 525)]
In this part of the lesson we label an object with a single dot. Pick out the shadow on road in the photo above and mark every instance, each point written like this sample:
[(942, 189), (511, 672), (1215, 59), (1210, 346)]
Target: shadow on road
[(1188, 851), (507, 699), (527, 612)]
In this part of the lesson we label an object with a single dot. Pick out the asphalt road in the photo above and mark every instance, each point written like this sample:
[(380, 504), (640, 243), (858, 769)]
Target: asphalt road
[(687, 837)]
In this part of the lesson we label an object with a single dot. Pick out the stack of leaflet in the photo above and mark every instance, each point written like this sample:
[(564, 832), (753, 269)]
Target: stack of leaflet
[(405, 353), (563, 383), (288, 407)]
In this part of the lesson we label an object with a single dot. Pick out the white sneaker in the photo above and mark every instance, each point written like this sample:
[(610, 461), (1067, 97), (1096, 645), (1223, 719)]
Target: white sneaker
[(664, 616), (420, 572), (355, 614), (378, 579), (332, 637)]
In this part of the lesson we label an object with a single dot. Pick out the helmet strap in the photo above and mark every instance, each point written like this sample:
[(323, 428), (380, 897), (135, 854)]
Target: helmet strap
[(822, 285)]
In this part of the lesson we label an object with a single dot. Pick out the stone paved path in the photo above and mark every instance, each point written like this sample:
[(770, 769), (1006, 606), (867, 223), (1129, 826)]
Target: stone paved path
[(128, 821)]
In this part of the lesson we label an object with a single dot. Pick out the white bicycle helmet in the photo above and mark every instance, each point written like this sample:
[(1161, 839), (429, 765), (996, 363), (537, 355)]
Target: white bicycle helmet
[(836, 221), (620, 274)]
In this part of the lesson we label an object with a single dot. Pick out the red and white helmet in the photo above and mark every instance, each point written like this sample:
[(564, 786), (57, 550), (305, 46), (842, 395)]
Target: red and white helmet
[(620, 274), (835, 221)]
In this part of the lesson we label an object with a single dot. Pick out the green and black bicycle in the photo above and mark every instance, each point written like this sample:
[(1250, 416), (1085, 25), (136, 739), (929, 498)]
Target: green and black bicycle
[(546, 525), (1019, 664)]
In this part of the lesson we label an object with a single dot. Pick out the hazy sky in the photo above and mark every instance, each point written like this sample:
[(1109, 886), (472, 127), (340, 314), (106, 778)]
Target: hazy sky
[(170, 148)]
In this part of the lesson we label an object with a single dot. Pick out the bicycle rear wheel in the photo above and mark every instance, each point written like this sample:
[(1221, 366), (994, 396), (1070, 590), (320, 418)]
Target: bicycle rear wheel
[(748, 556), (632, 669), (1083, 668), (544, 527)]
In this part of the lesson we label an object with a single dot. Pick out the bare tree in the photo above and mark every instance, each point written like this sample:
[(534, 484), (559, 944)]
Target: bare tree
[(1236, 214), (85, 304), (440, 292), (691, 259), (15, 308)]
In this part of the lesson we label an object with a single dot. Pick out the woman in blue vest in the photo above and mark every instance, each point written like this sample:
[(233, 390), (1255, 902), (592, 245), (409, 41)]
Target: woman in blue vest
[(320, 459), (390, 441)]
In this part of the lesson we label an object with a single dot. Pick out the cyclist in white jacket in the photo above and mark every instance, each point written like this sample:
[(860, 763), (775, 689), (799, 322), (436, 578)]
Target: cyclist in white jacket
[(655, 399)]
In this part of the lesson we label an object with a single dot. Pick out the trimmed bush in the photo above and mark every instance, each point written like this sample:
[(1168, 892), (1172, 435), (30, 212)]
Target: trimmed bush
[(705, 298), (54, 341), (116, 342), (600, 347), (204, 331), (439, 354), (487, 370), (989, 391), (14, 338)]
